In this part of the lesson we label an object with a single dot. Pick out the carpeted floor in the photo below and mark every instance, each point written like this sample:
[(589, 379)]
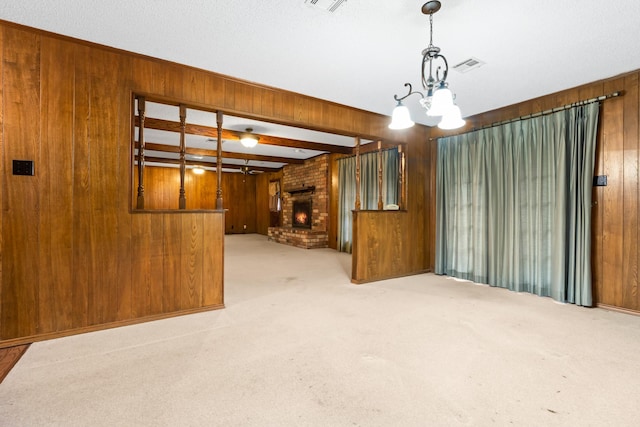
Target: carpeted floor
[(298, 345)]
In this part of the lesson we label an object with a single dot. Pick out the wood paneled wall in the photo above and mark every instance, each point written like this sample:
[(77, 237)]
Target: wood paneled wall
[(380, 249), (239, 195), (69, 238), (162, 188), (391, 237), (615, 255), (263, 216)]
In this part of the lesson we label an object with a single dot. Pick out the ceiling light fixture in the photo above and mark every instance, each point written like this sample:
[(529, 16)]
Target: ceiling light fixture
[(198, 170), (249, 139), (438, 100)]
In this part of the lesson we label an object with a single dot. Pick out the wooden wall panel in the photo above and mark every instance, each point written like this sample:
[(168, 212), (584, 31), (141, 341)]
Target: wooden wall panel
[(630, 189), (56, 181), (334, 202), (122, 267), (239, 192), (263, 215), (262, 203), (81, 227), (380, 248), (21, 133), (162, 187), (4, 164)]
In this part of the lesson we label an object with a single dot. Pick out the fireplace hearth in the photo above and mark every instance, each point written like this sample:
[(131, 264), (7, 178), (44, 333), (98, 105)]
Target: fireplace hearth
[(301, 214)]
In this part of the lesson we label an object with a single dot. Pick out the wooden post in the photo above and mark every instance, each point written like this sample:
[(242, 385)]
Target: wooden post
[(182, 201), (402, 178), (380, 204), (219, 205), (357, 207), (141, 116)]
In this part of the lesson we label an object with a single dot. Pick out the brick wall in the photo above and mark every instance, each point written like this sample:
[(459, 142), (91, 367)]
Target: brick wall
[(314, 172)]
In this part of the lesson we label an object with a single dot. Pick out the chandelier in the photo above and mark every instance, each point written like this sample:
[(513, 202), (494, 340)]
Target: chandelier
[(438, 101)]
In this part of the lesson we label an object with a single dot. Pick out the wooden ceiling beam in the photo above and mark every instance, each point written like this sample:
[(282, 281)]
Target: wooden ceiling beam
[(211, 132), (225, 154), (206, 163)]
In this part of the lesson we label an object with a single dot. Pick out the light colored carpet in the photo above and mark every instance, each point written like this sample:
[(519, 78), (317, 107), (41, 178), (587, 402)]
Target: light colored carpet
[(298, 345)]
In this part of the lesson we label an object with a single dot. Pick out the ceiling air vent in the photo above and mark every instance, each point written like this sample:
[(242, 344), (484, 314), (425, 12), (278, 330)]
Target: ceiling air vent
[(326, 5), (468, 65)]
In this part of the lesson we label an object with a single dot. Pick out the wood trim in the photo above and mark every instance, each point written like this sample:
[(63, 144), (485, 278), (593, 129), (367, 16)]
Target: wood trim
[(225, 154), (211, 132), (149, 159), (103, 326), (618, 309), (9, 356)]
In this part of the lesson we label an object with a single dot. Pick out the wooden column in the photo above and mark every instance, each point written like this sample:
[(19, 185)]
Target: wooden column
[(402, 178), (219, 204), (182, 201), (141, 116), (357, 207), (380, 204)]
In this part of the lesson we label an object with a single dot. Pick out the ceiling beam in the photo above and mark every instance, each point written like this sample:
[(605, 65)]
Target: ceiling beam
[(211, 132), (206, 163), (225, 154)]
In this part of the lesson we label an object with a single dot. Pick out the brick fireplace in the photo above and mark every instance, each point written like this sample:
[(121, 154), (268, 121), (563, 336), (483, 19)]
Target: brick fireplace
[(305, 205)]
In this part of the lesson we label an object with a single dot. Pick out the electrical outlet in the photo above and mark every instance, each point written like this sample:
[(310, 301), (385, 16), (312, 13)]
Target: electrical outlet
[(23, 167), (600, 181)]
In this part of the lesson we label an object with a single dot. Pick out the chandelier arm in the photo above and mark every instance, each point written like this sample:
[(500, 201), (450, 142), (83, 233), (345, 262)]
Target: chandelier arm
[(411, 92), (446, 69)]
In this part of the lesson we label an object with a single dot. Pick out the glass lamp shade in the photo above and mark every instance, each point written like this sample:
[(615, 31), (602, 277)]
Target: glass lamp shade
[(249, 141), (442, 101), (452, 119), (401, 119)]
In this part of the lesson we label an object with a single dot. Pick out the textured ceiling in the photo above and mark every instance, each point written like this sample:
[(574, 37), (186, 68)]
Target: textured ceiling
[(362, 54)]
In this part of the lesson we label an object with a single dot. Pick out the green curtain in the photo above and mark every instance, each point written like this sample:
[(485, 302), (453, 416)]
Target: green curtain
[(514, 205), (368, 189)]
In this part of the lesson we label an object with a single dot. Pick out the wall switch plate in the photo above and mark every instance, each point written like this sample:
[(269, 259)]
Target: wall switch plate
[(600, 181), (23, 167)]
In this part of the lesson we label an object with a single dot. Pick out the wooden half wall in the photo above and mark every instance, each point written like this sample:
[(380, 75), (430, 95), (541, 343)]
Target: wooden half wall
[(615, 223), (73, 255)]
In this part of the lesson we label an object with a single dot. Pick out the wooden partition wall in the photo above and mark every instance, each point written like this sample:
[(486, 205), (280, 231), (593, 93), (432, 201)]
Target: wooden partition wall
[(615, 256), (74, 256)]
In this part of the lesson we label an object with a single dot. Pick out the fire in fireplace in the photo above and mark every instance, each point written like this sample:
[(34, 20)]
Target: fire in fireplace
[(301, 214)]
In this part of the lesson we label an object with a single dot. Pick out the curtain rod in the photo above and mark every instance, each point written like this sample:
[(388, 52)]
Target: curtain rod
[(541, 113), (368, 152)]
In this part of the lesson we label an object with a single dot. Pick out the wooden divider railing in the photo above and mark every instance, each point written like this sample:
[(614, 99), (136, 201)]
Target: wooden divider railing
[(141, 115), (219, 205), (182, 200), (182, 150), (378, 249)]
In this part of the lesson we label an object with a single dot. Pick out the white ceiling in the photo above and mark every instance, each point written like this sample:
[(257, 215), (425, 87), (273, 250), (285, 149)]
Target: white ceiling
[(362, 54)]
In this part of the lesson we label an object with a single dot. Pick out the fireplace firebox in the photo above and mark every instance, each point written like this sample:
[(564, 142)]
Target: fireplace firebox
[(301, 214)]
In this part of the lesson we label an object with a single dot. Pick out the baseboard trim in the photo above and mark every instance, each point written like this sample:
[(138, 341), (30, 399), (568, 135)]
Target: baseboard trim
[(378, 279), (94, 328), (618, 309)]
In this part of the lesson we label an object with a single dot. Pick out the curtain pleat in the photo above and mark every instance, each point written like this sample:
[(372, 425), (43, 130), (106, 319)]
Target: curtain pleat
[(514, 205)]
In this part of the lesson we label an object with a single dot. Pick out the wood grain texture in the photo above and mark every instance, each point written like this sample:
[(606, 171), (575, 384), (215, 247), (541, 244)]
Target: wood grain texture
[(69, 102), (613, 216), (21, 93), (380, 247), (56, 179), (9, 357)]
